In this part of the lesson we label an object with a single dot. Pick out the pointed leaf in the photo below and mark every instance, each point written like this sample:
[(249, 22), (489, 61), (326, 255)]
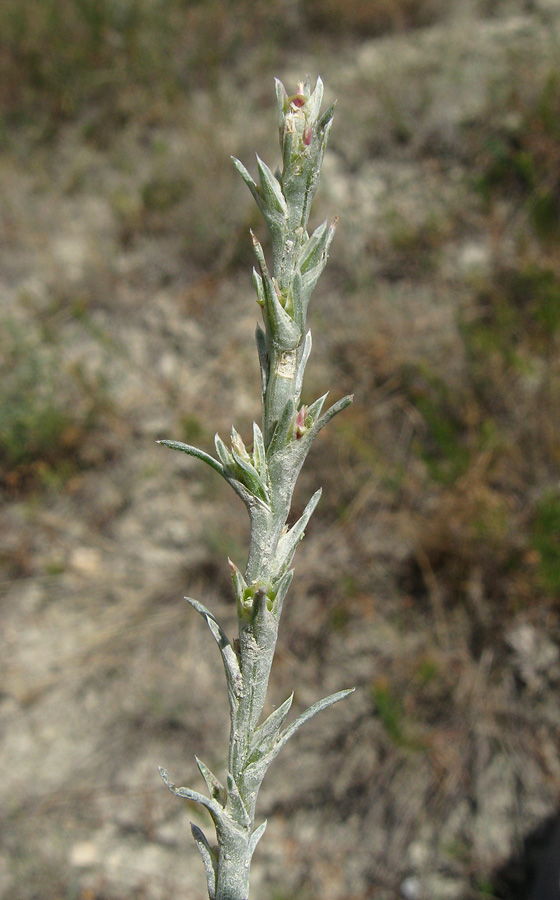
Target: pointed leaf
[(304, 285), (314, 411), (239, 583), (325, 121), (302, 364), (255, 838), (286, 332), (282, 588), (255, 771), (310, 278), (194, 451), (274, 219), (332, 412), (289, 139), (249, 476), (247, 179), (258, 284), (325, 125), (312, 251), (266, 734), (223, 452), (280, 434), (287, 544), (229, 657), (238, 444), (271, 189), (215, 787), (263, 356), (208, 858), (259, 454), (313, 105), (309, 713), (212, 806), (282, 99), (237, 807)]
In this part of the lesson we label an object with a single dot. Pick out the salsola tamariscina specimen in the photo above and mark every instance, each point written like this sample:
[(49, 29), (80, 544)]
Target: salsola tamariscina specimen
[(264, 476)]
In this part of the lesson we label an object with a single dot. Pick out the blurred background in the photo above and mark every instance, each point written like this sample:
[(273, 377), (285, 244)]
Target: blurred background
[(430, 576)]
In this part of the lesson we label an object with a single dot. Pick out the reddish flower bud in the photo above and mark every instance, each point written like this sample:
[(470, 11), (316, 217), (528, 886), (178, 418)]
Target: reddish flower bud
[(300, 422), (298, 100)]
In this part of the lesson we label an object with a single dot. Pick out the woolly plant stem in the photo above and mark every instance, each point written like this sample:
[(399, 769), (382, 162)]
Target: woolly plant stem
[(264, 477)]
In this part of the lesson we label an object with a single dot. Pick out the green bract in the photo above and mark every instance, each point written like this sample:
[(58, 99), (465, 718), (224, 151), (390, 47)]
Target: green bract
[(264, 476)]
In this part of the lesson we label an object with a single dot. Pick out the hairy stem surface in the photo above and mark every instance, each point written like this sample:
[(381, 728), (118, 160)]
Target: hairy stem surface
[(264, 475)]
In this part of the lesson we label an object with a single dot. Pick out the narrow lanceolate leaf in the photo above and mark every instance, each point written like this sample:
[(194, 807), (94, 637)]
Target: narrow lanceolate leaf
[(301, 365), (310, 278), (332, 412), (237, 444), (280, 434), (208, 858), (271, 188), (314, 411), (216, 789), (312, 251), (194, 451), (255, 838), (325, 121), (302, 289), (289, 142), (239, 588), (255, 771), (224, 454), (259, 288), (229, 657), (282, 588), (266, 735), (314, 103), (247, 179), (237, 807), (309, 713), (274, 218), (251, 478), (259, 455), (287, 544), (263, 356), (282, 100), (285, 330), (212, 806)]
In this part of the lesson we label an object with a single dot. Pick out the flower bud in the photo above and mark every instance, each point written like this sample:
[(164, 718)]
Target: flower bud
[(300, 427), (238, 445)]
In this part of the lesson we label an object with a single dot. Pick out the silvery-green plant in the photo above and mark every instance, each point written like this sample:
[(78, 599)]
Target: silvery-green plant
[(264, 476)]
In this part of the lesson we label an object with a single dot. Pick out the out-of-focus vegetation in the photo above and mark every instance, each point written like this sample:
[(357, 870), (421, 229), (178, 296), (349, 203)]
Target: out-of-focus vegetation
[(484, 449), (517, 150), (47, 415), (59, 57), (372, 17)]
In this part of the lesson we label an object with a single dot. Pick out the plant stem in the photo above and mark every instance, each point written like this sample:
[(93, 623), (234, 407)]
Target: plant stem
[(265, 478)]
